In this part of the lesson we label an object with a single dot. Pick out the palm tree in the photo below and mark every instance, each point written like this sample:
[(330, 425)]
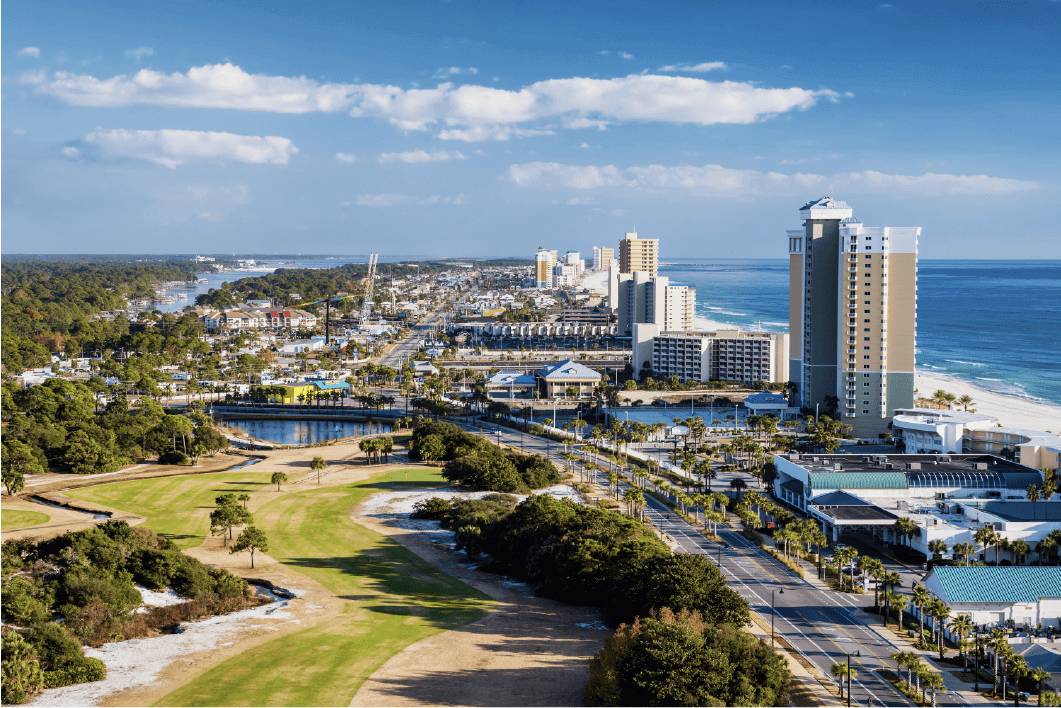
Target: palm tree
[(965, 400), (1033, 497), (872, 566), (931, 681), (962, 626), (921, 600), (907, 659), (843, 671), (893, 579), (1039, 675), (905, 527), (938, 547), (997, 641), (986, 536), (940, 397), (1018, 667), (738, 485), (1020, 550)]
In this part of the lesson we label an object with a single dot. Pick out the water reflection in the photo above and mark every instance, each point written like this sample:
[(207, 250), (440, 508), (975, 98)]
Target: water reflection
[(305, 432)]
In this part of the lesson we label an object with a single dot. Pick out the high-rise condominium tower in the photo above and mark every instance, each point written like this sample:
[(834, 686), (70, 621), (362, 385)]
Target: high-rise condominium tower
[(852, 316), (544, 261), (639, 254)]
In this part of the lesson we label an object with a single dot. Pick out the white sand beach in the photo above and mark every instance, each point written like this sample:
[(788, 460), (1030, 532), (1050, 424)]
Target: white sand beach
[(1011, 411)]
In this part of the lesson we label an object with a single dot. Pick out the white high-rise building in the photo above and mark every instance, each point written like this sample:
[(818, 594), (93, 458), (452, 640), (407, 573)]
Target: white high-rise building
[(641, 298), (603, 258)]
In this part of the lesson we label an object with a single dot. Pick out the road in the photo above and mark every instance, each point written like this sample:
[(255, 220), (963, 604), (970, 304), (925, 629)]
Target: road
[(816, 622)]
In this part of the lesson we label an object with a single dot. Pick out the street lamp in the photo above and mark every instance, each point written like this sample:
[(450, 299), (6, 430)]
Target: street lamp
[(773, 612), (857, 653)]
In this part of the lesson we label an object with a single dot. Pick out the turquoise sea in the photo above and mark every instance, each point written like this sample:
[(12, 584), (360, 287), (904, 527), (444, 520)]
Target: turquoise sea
[(995, 324)]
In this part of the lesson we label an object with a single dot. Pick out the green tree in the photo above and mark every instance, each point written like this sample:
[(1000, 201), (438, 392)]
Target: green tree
[(226, 515), (317, 464), (278, 478), (251, 539), (22, 675), (843, 672), (18, 461)]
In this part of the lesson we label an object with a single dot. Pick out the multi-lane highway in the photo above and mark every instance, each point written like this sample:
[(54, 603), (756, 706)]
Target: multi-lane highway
[(818, 623)]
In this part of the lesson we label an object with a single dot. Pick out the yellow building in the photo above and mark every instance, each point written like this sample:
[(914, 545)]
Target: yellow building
[(308, 390)]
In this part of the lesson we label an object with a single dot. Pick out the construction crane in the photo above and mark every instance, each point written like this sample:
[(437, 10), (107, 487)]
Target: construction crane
[(366, 307), (370, 280)]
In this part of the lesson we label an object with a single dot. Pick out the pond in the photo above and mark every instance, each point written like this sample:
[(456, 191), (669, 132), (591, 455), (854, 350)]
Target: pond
[(305, 432)]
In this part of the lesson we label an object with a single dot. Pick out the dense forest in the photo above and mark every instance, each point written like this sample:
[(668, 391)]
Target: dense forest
[(309, 284), (49, 305)]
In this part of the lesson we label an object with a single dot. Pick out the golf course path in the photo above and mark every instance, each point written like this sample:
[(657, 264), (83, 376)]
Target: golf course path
[(530, 651)]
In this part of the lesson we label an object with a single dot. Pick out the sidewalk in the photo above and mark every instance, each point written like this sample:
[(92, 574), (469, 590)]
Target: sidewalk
[(819, 693), (951, 677)]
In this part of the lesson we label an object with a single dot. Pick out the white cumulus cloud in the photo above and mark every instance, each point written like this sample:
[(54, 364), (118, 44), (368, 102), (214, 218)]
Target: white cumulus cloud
[(343, 157), (139, 53), (710, 180), (34, 52), (176, 147), (705, 66), (455, 71), (468, 112), (417, 156)]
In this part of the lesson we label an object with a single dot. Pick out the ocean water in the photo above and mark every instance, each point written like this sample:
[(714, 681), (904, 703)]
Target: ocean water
[(995, 324)]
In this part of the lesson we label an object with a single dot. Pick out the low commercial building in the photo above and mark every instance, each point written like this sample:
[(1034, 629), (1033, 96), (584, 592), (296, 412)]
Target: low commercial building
[(725, 355), (308, 391), (555, 379), (925, 430), (511, 384), (302, 345), (948, 497), (1022, 597)]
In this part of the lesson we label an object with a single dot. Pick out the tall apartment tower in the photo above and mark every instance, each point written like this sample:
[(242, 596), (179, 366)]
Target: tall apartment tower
[(852, 315), (543, 267), (641, 299), (639, 254), (602, 257)]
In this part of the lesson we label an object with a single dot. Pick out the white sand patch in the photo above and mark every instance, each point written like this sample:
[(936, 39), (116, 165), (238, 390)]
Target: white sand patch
[(1011, 411), (159, 598), (138, 662), (396, 508), (596, 282)]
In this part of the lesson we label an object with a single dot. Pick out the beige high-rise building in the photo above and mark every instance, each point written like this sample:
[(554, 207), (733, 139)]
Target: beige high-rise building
[(602, 257), (852, 316), (640, 298), (544, 260), (639, 255)]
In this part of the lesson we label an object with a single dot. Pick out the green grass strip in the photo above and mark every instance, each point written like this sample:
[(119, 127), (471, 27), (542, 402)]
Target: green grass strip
[(18, 519), (392, 597), (178, 507)]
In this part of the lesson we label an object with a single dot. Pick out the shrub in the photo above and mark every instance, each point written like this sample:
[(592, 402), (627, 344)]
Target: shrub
[(19, 604), (191, 578), (81, 583), (494, 473), (173, 457), (79, 669), (22, 675), (433, 508), (153, 569), (227, 585)]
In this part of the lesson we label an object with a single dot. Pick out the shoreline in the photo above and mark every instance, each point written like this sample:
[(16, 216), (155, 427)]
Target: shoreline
[(1011, 411)]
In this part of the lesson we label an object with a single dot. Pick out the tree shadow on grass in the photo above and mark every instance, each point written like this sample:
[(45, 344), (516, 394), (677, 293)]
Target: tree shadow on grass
[(388, 571), (550, 681)]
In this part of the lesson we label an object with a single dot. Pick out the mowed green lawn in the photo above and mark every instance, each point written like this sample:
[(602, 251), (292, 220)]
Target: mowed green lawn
[(18, 519), (393, 598), (178, 507)]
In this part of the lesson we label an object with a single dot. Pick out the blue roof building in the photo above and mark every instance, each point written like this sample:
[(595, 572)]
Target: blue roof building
[(1021, 596)]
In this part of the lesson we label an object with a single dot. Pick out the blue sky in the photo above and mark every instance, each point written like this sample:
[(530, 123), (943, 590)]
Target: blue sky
[(490, 128)]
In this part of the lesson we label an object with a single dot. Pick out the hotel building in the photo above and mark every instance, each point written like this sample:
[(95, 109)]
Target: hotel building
[(725, 355), (544, 261), (852, 315), (639, 255)]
